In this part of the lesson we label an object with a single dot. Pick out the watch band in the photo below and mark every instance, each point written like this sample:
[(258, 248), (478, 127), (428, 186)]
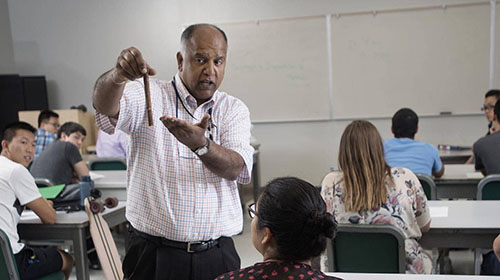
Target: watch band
[(203, 149)]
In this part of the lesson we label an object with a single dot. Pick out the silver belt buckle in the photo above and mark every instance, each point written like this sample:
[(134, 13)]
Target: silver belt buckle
[(189, 248)]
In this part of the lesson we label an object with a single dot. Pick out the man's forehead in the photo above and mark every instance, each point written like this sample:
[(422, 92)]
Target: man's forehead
[(206, 38)]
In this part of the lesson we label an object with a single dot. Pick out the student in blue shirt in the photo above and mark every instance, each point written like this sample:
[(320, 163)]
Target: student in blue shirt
[(404, 151)]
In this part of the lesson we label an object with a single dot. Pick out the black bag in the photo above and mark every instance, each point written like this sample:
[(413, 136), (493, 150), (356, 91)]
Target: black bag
[(68, 199)]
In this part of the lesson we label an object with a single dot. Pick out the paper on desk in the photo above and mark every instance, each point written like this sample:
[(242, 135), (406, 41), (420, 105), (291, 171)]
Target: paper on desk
[(474, 175), (439, 211), (94, 176)]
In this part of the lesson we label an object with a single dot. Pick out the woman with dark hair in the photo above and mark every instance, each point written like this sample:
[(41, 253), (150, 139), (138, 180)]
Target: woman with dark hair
[(368, 191), (290, 227)]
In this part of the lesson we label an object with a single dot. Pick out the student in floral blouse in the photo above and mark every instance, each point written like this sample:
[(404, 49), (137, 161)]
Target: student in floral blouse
[(368, 191), (290, 226)]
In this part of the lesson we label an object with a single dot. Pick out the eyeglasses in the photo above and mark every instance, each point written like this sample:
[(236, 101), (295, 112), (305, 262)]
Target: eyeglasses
[(487, 108), (251, 211), (56, 125)]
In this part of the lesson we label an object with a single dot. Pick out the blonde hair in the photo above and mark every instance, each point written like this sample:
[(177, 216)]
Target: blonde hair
[(361, 158)]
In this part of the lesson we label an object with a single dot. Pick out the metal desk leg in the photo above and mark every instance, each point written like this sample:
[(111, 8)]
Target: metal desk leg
[(80, 254)]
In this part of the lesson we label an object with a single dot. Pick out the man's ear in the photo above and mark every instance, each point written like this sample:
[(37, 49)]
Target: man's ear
[(64, 136), (4, 145), (268, 236), (180, 59)]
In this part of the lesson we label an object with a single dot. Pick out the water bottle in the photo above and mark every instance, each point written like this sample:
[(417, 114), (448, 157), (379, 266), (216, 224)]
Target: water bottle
[(86, 184)]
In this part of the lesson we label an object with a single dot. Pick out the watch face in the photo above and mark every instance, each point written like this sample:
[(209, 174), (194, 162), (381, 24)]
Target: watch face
[(201, 151)]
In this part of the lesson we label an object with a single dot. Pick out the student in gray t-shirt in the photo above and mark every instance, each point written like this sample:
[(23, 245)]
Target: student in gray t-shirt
[(61, 161), (487, 149)]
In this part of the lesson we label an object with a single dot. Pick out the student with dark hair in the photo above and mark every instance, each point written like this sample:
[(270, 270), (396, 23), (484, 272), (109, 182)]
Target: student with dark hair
[(490, 99), (367, 191), (404, 151), (487, 149), (290, 227), (18, 190), (62, 159), (48, 124)]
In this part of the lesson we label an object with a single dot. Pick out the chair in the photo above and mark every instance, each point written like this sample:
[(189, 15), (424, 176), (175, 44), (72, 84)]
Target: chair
[(367, 248), (428, 185), (8, 266), (489, 188), (108, 164), (43, 182)]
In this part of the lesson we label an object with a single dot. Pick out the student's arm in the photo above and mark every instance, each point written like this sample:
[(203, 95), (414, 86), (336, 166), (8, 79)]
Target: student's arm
[(439, 173), (81, 169), (496, 247), (44, 210), (426, 227)]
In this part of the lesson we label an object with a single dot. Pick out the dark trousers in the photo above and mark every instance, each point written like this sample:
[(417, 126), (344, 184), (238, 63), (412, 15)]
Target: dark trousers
[(147, 258)]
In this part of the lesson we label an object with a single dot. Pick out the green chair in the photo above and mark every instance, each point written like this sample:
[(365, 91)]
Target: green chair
[(489, 188), (8, 266), (428, 185), (367, 248), (108, 164)]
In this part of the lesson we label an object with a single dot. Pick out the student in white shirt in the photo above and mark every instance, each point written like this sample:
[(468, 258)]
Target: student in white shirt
[(18, 190)]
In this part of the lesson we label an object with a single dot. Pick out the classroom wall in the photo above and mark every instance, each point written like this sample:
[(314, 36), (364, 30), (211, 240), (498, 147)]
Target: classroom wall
[(72, 42), (7, 65)]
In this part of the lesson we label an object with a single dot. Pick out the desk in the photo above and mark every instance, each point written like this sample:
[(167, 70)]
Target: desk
[(386, 276), (455, 156), (69, 226), (111, 183), (469, 224), (458, 181)]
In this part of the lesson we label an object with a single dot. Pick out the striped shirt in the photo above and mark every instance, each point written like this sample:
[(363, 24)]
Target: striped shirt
[(170, 192), (43, 139)]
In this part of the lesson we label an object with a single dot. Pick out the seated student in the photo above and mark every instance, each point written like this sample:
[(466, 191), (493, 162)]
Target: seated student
[(112, 145), (18, 189), (48, 124), (490, 99), (368, 191), (405, 151), (290, 226), (487, 149), (62, 158)]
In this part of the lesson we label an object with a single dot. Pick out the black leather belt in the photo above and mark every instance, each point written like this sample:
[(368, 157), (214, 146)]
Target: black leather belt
[(190, 247)]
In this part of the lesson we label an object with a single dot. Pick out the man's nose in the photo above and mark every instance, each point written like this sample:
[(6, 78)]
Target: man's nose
[(210, 68)]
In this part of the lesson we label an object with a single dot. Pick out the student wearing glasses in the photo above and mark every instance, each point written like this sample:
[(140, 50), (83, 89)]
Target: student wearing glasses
[(182, 199), (368, 191), (48, 124), (290, 226), (490, 100)]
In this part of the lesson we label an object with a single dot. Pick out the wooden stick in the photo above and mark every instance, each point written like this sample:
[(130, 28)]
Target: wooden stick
[(148, 99)]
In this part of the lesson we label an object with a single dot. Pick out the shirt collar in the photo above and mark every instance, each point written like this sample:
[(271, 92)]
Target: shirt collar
[(187, 97)]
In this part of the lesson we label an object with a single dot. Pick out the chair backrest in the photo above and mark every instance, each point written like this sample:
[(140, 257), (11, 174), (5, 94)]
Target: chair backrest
[(489, 188), (108, 164), (428, 185), (367, 248), (43, 182), (8, 267)]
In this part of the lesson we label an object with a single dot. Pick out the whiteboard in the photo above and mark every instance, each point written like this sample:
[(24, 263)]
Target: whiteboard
[(279, 68), (496, 83), (433, 61)]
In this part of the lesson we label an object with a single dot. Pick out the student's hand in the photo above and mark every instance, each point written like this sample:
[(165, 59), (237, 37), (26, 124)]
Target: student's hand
[(130, 65), (191, 135), (49, 202)]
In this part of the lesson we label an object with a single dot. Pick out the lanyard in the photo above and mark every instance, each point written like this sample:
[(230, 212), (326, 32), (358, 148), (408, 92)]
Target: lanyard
[(178, 98)]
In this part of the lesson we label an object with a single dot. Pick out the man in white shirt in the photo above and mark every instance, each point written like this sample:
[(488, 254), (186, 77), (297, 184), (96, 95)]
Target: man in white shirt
[(19, 190)]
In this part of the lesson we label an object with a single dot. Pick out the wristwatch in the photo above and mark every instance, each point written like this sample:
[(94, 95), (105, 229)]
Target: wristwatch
[(203, 149)]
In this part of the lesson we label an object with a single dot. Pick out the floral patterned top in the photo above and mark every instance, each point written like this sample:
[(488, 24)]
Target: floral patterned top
[(277, 270), (406, 208)]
